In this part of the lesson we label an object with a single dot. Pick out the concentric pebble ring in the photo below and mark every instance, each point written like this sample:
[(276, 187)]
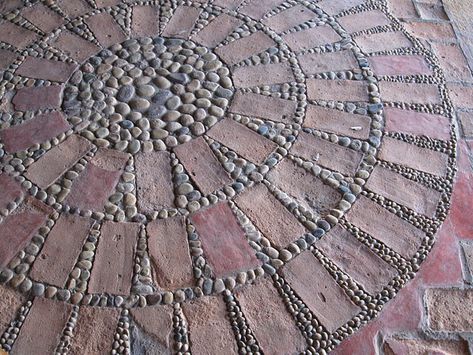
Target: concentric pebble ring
[(214, 176)]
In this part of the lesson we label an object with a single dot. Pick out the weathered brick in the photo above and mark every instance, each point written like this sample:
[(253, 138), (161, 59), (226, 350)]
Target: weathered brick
[(363, 20), (202, 165), (110, 159), (431, 31), (399, 65), (106, 3), (17, 229), (452, 61), (182, 22), (74, 46), (57, 161), (409, 92), (431, 11), (382, 41), (74, 8), (337, 90), (270, 216), (257, 9), (11, 190), (339, 122), (95, 330), (154, 181), (356, 259), (467, 249), (244, 141), (466, 121), (385, 226), (46, 69), (169, 253), (16, 36), (424, 159), (327, 154), (402, 8), (157, 322), (217, 30), (314, 63), (333, 7), (6, 6), (228, 4), (310, 38), (449, 309), (265, 107), (268, 318), (307, 189), (425, 346), (37, 130), (204, 316), (243, 48), (105, 29), (42, 17), (37, 98), (97, 182), (145, 21), (11, 303), (113, 263), (55, 262), (319, 291), (406, 192), (461, 95), (6, 58), (266, 74), (35, 337), (289, 18), (417, 123), (223, 240)]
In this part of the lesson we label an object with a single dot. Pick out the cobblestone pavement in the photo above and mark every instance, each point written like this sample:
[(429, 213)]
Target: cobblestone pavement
[(233, 176)]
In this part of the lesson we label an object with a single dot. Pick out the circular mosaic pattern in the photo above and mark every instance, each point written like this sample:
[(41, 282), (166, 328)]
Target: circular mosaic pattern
[(181, 151)]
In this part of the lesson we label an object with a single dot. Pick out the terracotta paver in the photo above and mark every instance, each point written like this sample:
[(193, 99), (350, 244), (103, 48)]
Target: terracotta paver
[(55, 262), (321, 151), (256, 105), (37, 98), (145, 21), (114, 259), (44, 311), (6, 58), (273, 326), (105, 3), (154, 181), (289, 18), (105, 29), (333, 7), (320, 292), (42, 17), (223, 240), (37, 130), (74, 8), (16, 35), (410, 155), (383, 41), (363, 20), (217, 30), (182, 22), (157, 322), (377, 221), (203, 315), (356, 259), (243, 48), (244, 141), (310, 38), (11, 190), (74, 46), (400, 65), (228, 4), (270, 216), (409, 93), (337, 90), (314, 63), (203, 166), (39, 68), (268, 74), (11, 303), (446, 309), (169, 253), (258, 9)]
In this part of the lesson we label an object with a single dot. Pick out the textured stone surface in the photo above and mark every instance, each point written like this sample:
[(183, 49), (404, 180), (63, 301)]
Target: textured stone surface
[(305, 188), (244, 141), (217, 30), (268, 74), (409, 92), (42, 127), (270, 216), (16, 35), (223, 240), (55, 262), (269, 319), (145, 21), (381, 224), (312, 37), (6, 58), (74, 46), (114, 259), (452, 61), (289, 18), (410, 155), (258, 9), (37, 98), (54, 314), (105, 29), (321, 151), (202, 165), (42, 17), (154, 181), (383, 41), (399, 65), (356, 259), (335, 6), (314, 63), (204, 316), (337, 90), (39, 68), (74, 8), (11, 190), (169, 253), (447, 310), (228, 4), (10, 305), (95, 329), (319, 291), (363, 20), (271, 108), (182, 23)]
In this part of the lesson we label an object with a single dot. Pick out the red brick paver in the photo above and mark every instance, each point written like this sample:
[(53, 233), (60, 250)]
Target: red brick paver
[(337, 90), (217, 30), (40, 68), (37, 98), (333, 7), (42, 17), (105, 29), (11, 190), (6, 58), (145, 21), (228, 4), (400, 65), (16, 35), (409, 92), (243, 48), (258, 9), (11, 303), (156, 321), (182, 22), (267, 74), (314, 63), (289, 18), (363, 20), (383, 41), (74, 46), (310, 38), (74, 8)]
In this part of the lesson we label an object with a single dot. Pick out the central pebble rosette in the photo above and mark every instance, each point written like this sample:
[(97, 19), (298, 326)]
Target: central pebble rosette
[(148, 94)]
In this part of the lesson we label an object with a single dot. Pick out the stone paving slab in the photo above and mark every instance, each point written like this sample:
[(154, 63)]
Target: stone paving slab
[(74, 46), (16, 36), (217, 30), (312, 37), (145, 21)]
